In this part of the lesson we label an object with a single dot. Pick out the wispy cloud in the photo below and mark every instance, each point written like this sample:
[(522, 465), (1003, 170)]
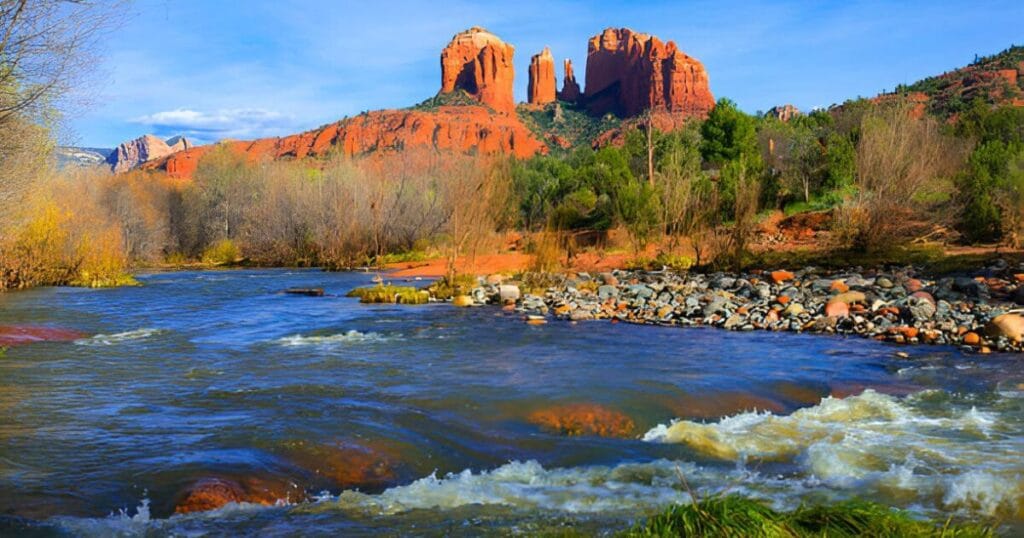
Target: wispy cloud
[(218, 124)]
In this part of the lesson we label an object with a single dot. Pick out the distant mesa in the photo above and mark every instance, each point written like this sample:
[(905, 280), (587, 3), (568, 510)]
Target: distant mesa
[(132, 154), (479, 63), (541, 88), (784, 113)]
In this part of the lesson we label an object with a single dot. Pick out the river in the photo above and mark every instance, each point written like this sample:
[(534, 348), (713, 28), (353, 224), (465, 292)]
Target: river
[(380, 419)]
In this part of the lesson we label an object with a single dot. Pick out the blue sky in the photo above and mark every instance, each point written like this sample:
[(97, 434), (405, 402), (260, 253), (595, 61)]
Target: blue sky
[(215, 69)]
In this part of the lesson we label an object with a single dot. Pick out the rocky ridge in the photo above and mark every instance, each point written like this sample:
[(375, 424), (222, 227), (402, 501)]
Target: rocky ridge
[(465, 129)]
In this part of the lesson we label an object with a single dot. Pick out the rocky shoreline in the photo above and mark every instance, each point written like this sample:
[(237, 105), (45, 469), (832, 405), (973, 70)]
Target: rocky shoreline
[(977, 313)]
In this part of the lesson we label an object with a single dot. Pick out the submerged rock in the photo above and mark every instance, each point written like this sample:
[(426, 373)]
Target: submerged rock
[(584, 419)]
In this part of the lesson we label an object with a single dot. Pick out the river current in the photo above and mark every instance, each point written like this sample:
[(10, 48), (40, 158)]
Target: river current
[(380, 419)]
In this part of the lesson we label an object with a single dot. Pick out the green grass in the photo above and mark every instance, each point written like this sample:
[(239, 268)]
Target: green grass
[(734, 515), (390, 294), (463, 285)]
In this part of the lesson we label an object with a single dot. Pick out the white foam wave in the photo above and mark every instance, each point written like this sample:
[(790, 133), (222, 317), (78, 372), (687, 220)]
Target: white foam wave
[(348, 337), (879, 444), (117, 338), (625, 488)]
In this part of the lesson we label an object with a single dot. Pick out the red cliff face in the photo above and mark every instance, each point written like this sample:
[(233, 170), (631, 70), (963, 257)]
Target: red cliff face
[(479, 63), (570, 88), (629, 72), (541, 88), (463, 129)]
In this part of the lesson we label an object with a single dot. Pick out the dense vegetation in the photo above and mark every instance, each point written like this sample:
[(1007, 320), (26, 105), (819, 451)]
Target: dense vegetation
[(697, 194)]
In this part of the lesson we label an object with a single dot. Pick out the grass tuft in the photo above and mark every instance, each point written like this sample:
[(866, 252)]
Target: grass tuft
[(733, 515), (390, 294)]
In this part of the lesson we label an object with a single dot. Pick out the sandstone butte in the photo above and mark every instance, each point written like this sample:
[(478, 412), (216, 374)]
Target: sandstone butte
[(541, 87), (629, 73), (570, 88), (454, 128), (480, 63)]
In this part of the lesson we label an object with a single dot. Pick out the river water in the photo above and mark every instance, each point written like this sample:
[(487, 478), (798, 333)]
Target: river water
[(431, 419)]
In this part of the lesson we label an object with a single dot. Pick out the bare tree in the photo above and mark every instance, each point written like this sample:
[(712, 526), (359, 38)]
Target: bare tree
[(474, 193), (46, 48), (900, 159)]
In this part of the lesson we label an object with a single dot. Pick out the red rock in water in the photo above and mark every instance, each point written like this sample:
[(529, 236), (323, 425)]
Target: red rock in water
[(461, 129), (350, 465), (17, 335), (629, 72), (480, 63), (213, 493), (541, 88), (570, 88), (584, 419)]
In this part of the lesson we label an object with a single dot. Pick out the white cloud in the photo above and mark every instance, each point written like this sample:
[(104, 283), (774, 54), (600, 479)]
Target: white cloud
[(244, 123)]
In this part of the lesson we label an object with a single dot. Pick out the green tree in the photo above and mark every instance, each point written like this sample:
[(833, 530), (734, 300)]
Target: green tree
[(727, 134)]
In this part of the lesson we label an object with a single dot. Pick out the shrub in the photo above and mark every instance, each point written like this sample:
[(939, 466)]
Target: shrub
[(103, 262), (390, 294), (223, 252), (446, 288)]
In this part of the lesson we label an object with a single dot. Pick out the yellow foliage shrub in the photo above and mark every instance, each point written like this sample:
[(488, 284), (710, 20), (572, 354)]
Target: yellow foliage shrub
[(223, 252)]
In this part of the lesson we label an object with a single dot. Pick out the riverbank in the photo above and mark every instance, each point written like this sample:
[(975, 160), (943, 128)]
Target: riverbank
[(978, 313)]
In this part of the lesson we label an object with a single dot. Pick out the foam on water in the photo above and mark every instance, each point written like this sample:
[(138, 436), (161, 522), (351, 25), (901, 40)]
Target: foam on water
[(117, 338), (349, 337), (954, 459), (624, 488)]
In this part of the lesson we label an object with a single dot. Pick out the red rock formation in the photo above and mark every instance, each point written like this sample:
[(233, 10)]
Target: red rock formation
[(541, 88), (784, 113), (570, 88), (479, 63), (629, 72), (463, 129)]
